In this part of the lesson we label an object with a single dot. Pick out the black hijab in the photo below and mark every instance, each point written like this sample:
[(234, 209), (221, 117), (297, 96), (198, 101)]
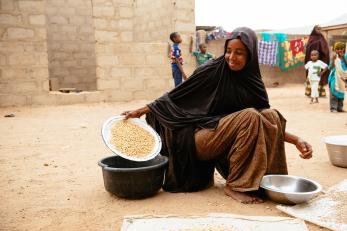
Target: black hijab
[(319, 43), (212, 92)]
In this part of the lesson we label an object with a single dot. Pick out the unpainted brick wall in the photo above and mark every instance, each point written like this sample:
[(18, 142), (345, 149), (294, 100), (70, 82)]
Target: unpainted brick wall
[(23, 52), (131, 47), (155, 20), (93, 39), (71, 44)]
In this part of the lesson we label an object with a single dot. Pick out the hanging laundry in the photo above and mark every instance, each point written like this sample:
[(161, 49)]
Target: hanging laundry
[(267, 52), (290, 59), (297, 46), (280, 37), (269, 37), (218, 33), (266, 36)]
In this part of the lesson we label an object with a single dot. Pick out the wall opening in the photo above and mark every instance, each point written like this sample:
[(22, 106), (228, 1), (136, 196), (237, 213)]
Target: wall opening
[(71, 45)]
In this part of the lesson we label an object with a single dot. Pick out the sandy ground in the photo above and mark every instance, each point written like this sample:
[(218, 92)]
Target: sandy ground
[(50, 180)]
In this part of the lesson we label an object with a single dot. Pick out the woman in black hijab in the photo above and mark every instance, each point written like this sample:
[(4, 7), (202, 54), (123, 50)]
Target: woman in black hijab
[(220, 117)]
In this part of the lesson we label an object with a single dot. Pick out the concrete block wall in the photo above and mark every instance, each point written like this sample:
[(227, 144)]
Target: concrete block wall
[(153, 20), (23, 52), (71, 44), (112, 39), (126, 66), (131, 47), (184, 23)]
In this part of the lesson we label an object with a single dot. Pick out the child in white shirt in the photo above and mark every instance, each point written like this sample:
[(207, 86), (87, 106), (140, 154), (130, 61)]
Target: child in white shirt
[(316, 69)]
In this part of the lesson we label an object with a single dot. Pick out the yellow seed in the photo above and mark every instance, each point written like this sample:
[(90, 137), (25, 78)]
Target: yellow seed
[(131, 139)]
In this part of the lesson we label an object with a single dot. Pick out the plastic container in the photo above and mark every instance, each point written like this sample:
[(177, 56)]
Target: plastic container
[(131, 179)]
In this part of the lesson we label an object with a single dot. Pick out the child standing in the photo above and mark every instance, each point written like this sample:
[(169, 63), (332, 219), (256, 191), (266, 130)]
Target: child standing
[(338, 78), (176, 59), (316, 68), (203, 56)]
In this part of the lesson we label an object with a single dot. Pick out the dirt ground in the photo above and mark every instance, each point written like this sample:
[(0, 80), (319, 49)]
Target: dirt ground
[(50, 180)]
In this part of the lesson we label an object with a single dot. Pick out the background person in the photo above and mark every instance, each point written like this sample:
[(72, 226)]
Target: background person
[(317, 42)]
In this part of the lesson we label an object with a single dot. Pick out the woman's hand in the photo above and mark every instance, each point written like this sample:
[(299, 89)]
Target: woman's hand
[(132, 114), (136, 113), (304, 148)]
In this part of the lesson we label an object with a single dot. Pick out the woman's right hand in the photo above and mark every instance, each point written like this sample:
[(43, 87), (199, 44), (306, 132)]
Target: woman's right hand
[(132, 114), (304, 148), (136, 113)]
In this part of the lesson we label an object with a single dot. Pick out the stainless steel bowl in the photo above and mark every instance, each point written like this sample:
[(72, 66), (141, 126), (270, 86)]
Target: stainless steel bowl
[(337, 150), (286, 189)]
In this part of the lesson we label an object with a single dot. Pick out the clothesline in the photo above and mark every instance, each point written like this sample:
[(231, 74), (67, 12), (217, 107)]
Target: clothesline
[(274, 49)]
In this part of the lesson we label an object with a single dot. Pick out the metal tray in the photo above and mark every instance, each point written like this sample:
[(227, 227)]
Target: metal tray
[(106, 136)]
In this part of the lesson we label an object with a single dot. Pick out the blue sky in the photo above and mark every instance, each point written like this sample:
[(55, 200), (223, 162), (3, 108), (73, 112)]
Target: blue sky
[(266, 14)]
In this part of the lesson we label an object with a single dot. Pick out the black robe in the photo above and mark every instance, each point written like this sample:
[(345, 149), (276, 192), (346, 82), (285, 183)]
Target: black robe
[(317, 42), (210, 93)]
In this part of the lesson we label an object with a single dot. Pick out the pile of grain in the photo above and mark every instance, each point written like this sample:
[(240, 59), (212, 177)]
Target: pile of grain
[(340, 209), (131, 139)]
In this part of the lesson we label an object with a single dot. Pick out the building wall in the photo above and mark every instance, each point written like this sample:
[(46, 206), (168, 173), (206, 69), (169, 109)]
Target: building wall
[(23, 52), (152, 20), (131, 53), (126, 69), (155, 20), (97, 38), (71, 44), (184, 23), (335, 34)]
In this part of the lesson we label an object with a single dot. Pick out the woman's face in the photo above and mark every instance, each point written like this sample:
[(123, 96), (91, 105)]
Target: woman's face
[(236, 55)]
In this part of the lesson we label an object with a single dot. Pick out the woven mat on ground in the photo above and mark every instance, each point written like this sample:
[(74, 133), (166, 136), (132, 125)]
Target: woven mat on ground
[(328, 210), (214, 221)]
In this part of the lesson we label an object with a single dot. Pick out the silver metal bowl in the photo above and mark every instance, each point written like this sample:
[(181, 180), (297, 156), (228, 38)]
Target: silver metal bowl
[(337, 150), (286, 189)]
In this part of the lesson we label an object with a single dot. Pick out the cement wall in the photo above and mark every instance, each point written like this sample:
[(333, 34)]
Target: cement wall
[(23, 52), (71, 44), (126, 69), (152, 24), (95, 44), (335, 34), (131, 46)]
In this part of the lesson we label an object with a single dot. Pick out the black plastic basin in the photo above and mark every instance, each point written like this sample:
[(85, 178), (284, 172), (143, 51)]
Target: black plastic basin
[(131, 179)]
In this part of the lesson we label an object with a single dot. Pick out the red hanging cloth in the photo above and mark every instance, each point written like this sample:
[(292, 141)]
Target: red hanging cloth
[(297, 46)]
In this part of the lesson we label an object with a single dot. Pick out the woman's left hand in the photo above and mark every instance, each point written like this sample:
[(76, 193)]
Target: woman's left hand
[(304, 148)]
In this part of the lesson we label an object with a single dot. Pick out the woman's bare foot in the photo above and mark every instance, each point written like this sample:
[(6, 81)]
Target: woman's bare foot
[(242, 197)]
